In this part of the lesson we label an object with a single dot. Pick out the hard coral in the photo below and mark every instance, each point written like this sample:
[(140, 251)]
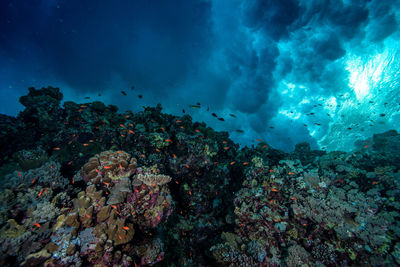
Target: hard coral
[(108, 166)]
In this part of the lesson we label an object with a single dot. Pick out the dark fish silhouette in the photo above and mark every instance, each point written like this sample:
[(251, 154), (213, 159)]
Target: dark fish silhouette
[(87, 97), (239, 131), (194, 106), (382, 114), (122, 92), (198, 103), (221, 119), (232, 115), (140, 96), (215, 115), (183, 111)]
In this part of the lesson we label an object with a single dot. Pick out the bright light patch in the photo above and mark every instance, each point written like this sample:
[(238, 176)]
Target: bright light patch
[(366, 74)]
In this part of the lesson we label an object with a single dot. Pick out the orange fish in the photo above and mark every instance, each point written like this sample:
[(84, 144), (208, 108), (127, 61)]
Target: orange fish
[(187, 166), (33, 181), (190, 193), (178, 121), (120, 166), (85, 144), (126, 228), (216, 162), (182, 127), (19, 174), (226, 147), (264, 146), (293, 198), (73, 180), (162, 129), (245, 163), (70, 162), (291, 173), (123, 126), (41, 192), (174, 156), (366, 146), (56, 148), (274, 189), (106, 183), (271, 170), (224, 142), (120, 237), (143, 156), (259, 140), (168, 140), (158, 150), (120, 152), (123, 135), (196, 131), (113, 206), (176, 182), (375, 182), (91, 140), (132, 132), (107, 167), (232, 163), (36, 224), (88, 216)]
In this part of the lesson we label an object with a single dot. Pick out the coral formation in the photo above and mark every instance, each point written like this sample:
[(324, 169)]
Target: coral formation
[(93, 187)]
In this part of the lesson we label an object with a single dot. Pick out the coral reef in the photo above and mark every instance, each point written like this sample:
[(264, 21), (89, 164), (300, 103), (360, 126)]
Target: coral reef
[(93, 187)]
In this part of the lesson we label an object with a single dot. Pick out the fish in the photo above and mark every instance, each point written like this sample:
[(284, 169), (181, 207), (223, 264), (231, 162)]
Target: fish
[(198, 103), (19, 174), (174, 156), (99, 94), (259, 140), (183, 111), (87, 97), (123, 92), (232, 162), (382, 114), (196, 130), (113, 206), (349, 128), (271, 171), (291, 173), (126, 228), (214, 115), (194, 106), (168, 140), (232, 115), (366, 146), (245, 163), (140, 96), (226, 147), (36, 224), (221, 119), (56, 148), (272, 127), (41, 192), (239, 131), (274, 190)]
